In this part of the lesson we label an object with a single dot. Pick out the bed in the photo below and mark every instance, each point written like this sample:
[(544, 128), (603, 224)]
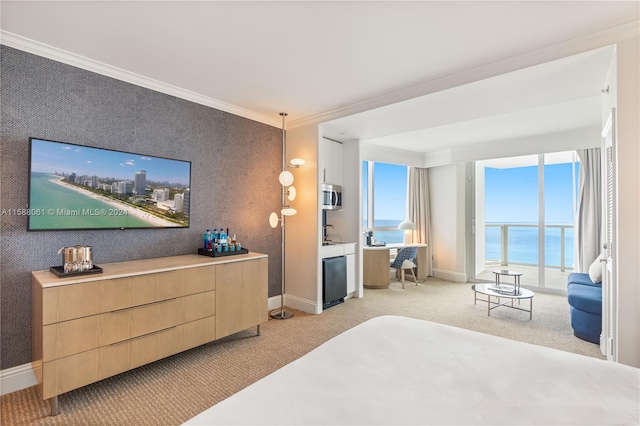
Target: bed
[(397, 370)]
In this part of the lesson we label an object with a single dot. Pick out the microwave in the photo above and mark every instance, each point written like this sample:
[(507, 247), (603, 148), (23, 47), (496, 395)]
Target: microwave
[(331, 197)]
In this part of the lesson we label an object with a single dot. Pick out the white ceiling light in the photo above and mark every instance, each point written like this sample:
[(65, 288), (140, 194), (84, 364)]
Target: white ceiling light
[(288, 211), (285, 178), (273, 219), (291, 193)]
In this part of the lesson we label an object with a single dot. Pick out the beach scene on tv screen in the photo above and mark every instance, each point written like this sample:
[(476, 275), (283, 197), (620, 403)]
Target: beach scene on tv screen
[(79, 187)]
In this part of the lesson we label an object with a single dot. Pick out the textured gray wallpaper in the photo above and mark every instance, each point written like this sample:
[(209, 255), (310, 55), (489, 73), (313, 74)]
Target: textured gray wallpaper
[(234, 174)]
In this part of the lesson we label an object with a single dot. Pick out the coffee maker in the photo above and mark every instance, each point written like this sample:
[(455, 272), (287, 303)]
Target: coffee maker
[(368, 238)]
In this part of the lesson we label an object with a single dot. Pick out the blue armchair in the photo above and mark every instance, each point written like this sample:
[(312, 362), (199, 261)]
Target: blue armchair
[(585, 304)]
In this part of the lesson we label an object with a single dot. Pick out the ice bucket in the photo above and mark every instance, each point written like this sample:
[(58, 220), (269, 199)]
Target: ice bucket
[(76, 258)]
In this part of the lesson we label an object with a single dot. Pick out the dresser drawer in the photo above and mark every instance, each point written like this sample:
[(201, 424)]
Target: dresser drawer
[(68, 302), (82, 334), (71, 372), (122, 293)]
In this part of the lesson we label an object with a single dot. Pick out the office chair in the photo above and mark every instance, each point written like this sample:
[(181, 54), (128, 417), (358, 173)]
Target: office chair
[(406, 259)]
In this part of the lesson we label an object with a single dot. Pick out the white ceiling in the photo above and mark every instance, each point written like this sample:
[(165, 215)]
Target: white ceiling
[(324, 59), (557, 96)]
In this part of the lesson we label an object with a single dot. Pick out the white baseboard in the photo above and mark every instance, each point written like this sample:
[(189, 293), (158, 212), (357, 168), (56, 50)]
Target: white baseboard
[(17, 378), (300, 304), (293, 302), (273, 303), (457, 277)]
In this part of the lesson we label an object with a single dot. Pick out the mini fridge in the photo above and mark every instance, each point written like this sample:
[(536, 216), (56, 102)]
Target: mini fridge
[(334, 281)]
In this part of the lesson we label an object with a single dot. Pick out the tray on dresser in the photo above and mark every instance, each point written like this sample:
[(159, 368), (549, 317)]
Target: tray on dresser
[(223, 253), (58, 271)]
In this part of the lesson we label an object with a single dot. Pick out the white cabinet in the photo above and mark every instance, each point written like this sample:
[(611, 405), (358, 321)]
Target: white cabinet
[(350, 253), (331, 162), (351, 273)]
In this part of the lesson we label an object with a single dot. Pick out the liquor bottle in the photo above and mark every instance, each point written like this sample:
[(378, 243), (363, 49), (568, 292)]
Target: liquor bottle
[(215, 235), (222, 239), (228, 237)]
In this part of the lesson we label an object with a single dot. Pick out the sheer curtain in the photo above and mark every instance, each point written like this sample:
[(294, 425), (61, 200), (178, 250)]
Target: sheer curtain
[(589, 215), (418, 210)]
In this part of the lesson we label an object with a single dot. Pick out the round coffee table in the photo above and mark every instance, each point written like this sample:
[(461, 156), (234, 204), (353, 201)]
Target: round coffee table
[(503, 292)]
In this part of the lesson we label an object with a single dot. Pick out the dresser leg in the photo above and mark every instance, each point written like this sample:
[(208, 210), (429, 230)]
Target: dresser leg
[(53, 405), (258, 330)]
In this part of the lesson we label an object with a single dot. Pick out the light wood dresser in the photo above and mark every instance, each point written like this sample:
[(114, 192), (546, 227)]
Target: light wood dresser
[(90, 327)]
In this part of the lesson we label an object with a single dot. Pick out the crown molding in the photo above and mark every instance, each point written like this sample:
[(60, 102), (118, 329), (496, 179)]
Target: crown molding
[(559, 50), (65, 57)]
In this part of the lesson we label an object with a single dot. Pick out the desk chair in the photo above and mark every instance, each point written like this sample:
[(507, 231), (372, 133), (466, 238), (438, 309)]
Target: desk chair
[(406, 259)]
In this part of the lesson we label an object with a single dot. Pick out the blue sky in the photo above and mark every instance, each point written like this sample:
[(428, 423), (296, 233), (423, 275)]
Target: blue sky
[(390, 190), (511, 195), (59, 157)]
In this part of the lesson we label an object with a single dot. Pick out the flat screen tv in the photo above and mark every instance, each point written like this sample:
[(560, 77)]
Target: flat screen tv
[(80, 187)]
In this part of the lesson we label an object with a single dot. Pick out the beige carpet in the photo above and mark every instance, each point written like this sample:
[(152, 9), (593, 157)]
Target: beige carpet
[(171, 391)]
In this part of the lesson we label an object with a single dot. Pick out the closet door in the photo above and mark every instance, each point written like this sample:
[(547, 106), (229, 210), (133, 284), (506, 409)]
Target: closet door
[(609, 280)]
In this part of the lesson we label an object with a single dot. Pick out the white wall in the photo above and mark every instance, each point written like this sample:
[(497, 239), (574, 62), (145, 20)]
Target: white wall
[(628, 209), (302, 229), (480, 231), (447, 200)]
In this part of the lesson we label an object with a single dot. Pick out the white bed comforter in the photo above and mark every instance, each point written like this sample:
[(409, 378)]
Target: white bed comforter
[(395, 370)]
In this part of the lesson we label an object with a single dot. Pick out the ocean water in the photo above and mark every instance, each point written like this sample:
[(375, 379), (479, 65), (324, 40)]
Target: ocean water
[(389, 237), (64, 208), (523, 243)]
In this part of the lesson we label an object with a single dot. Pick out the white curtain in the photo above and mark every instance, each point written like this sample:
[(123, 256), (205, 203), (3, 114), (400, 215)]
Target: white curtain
[(589, 214), (418, 210)]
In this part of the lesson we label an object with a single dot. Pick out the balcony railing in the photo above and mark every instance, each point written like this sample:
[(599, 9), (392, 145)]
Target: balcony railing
[(517, 244)]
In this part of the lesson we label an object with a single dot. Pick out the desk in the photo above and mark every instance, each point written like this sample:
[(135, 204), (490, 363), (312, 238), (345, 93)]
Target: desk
[(376, 264)]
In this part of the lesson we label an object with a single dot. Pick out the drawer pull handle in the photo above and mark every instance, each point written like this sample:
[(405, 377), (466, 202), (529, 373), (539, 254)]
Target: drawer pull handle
[(144, 304), (142, 335)]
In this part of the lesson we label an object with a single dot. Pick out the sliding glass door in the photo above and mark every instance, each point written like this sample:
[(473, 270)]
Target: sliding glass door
[(560, 197), (524, 217)]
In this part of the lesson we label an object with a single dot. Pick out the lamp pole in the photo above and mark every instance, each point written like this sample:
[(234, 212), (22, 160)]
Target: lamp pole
[(282, 314)]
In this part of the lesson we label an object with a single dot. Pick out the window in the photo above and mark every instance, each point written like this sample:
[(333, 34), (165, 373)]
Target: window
[(527, 205), (384, 202)]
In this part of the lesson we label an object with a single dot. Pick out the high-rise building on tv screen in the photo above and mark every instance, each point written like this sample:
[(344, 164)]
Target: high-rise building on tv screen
[(80, 187)]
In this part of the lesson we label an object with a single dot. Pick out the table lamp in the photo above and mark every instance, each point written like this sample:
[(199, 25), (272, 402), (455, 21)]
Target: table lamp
[(408, 227)]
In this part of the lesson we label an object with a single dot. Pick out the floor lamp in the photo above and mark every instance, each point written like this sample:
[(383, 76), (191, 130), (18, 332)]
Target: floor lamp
[(288, 193)]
